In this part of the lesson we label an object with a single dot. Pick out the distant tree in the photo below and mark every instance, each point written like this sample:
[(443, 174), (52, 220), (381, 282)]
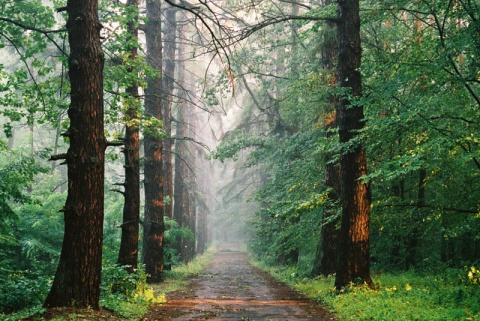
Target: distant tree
[(354, 250), (77, 279), (326, 256), (168, 75), (181, 169)]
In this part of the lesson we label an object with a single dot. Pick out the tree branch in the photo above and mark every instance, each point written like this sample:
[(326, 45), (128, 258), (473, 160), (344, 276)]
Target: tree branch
[(21, 25), (58, 157)]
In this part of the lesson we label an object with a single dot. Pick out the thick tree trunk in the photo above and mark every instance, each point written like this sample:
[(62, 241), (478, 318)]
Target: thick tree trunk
[(128, 254), (153, 225), (354, 254), (77, 279)]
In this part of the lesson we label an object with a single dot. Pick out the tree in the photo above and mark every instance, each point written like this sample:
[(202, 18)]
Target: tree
[(77, 279), (414, 126), (167, 99), (326, 256), (153, 225), (354, 254), (128, 253), (180, 205)]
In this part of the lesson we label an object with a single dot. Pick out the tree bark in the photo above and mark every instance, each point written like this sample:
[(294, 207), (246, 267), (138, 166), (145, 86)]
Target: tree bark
[(153, 225), (181, 169), (326, 256), (354, 254), (190, 217), (128, 253), (77, 279), (167, 93)]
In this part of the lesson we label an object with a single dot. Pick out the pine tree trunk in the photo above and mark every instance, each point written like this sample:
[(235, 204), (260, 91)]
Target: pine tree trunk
[(181, 168), (77, 279), (191, 202), (153, 226), (128, 253), (354, 254), (167, 93)]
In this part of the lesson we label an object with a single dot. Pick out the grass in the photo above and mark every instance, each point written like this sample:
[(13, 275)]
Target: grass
[(449, 295), (177, 278)]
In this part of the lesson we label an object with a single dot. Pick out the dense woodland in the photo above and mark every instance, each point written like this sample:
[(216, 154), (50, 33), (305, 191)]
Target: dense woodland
[(335, 137)]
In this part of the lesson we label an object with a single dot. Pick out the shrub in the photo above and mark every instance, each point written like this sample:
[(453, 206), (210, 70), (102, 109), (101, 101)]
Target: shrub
[(128, 294), (21, 290)]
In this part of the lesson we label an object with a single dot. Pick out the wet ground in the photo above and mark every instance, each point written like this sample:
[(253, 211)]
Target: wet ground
[(232, 289)]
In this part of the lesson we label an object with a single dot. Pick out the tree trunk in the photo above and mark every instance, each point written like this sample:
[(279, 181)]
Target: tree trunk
[(191, 186), (77, 279), (181, 168), (153, 226), (167, 93), (326, 256), (128, 254), (411, 242), (354, 254)]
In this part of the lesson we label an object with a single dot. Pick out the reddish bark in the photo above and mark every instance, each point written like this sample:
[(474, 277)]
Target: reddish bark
[(354, 254), (77, 279), (153, 226)]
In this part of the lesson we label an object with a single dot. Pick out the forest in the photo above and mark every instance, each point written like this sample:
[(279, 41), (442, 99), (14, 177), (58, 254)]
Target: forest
[(337, 141)]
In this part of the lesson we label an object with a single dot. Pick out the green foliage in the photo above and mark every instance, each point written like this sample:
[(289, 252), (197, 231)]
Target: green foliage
[(413, 125), (17, 172), (401, 296), (473, 276), (22, 289), (127, 293), (111, 227), (174, 232), (31, 236), (31, 85)]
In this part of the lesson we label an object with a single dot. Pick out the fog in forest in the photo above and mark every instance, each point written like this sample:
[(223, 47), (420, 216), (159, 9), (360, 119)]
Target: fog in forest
[(330, 138)]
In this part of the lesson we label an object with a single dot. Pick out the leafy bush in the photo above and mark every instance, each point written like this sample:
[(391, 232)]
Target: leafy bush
[(173, 232), (21, 290), (127, 293)]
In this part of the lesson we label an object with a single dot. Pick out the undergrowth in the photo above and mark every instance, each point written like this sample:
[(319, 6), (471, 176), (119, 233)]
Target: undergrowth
[(123, 296), (453, 294)]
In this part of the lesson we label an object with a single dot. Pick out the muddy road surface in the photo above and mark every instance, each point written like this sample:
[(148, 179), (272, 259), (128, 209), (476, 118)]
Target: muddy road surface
[(232, 289)]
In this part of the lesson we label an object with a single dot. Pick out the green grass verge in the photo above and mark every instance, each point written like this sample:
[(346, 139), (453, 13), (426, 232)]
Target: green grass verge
[(178, 277), (450, 295)]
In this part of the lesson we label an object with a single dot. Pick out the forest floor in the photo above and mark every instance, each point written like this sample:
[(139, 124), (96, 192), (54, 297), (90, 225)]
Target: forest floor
[(232, 289)]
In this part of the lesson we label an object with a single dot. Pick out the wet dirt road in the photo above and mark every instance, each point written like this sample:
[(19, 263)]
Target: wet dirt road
[(232, 289)]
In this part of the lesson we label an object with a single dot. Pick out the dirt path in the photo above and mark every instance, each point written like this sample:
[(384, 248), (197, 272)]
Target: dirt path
[(232, 289)]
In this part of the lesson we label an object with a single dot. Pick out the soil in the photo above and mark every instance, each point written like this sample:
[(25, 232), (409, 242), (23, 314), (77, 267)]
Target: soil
[(232, 289)]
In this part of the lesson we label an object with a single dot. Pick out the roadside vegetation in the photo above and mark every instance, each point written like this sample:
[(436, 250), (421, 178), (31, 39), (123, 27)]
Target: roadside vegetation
[(124, 296), (444, 294)]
